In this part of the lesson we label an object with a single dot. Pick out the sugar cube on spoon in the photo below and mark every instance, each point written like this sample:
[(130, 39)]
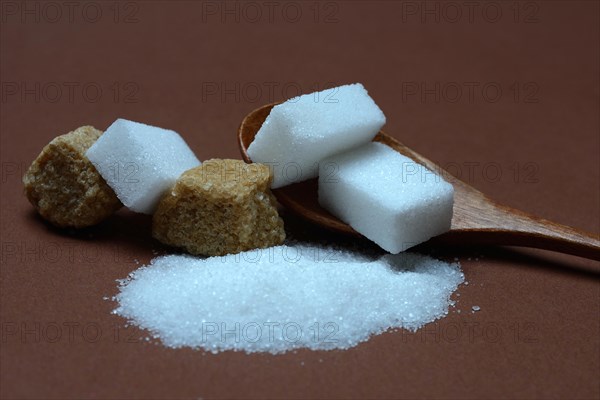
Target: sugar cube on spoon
[(304, 130), (385, 196)]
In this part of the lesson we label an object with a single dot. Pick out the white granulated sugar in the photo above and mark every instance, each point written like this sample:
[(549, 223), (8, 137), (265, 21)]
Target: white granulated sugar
[(385, 196), (140, 162), (284, 298), (304, 130)]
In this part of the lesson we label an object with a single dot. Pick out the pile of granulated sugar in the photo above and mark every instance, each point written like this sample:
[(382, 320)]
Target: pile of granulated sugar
[(285, 297)]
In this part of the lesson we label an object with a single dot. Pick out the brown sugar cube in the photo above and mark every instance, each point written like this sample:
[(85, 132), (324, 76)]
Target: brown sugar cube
[(221, 207), (65, 187)]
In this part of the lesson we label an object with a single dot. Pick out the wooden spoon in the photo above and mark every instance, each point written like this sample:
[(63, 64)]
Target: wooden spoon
[(476, 218)]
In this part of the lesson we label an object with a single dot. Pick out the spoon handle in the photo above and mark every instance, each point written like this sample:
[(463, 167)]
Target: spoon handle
[(501, 225)]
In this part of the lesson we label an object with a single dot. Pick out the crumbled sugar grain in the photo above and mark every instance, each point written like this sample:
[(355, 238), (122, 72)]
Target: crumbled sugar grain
[(304, 130), (284, 298), (476, 308)]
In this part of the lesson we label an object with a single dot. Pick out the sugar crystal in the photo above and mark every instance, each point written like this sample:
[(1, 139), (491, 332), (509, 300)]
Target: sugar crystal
[(284, 298)]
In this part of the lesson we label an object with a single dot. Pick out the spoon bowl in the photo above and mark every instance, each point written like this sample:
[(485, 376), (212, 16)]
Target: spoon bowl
[(476, 218)]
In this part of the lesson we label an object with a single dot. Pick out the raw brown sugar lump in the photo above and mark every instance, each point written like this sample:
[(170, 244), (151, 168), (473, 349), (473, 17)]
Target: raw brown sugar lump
[(64, 186), (221, 207)]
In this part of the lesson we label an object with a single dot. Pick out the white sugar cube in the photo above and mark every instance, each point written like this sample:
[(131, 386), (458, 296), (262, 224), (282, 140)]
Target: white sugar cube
[(385, 196), (140, 162), (304, 130)]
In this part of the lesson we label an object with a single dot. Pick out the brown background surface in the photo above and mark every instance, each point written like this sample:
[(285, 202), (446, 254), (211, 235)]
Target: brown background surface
[(198, 68)]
